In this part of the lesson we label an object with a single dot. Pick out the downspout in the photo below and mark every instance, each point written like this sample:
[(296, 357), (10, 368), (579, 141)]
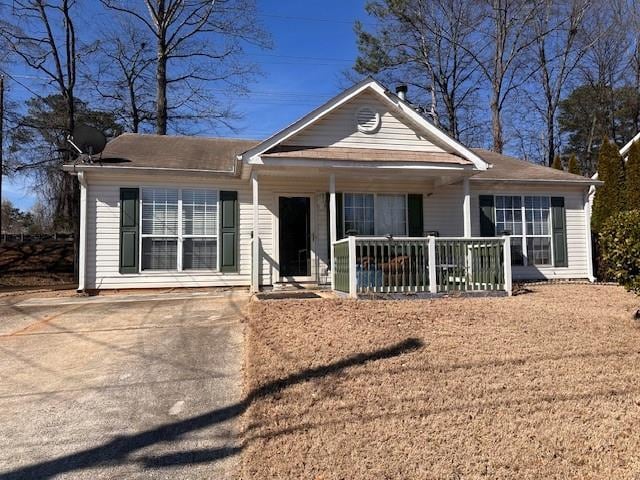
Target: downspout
[(587, 231), (82, 263)]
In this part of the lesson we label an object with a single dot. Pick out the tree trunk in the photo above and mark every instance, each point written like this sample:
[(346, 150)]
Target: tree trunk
[(551, 141), (161, 94), (135, 114), (496, 124), (500, 12)]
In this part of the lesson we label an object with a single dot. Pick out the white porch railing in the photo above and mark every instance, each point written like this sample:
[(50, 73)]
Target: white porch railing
[(365, 265)]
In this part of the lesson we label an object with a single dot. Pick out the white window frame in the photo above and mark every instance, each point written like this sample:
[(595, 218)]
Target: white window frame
[(180, 236), (525, 254), (375, 211)]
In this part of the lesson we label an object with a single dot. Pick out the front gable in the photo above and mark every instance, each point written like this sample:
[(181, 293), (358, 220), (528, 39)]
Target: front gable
[(366, 122), (366, 116)]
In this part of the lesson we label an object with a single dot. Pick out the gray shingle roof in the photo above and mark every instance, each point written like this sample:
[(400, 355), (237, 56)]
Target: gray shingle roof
[(219, 155), (175, 152), (505, 168)]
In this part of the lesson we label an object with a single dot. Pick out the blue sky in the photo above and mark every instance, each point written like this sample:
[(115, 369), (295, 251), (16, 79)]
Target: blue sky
[(314, 44)]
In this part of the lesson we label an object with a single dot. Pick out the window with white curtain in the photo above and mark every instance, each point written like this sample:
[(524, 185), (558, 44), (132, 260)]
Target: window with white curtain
[(375, 214), (179, 229), (391, 214)]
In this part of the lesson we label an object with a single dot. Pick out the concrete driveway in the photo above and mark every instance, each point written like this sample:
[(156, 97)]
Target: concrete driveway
[(137, 386)]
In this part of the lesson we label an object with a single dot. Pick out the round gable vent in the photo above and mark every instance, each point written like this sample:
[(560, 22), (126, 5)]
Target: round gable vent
[(368, 120)]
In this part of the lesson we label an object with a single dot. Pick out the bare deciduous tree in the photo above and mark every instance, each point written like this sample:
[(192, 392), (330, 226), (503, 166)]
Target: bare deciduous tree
[(604, 64), (502, 54), (122, 75), (425, 44), (197, 42), (560, 45), (41, 36)]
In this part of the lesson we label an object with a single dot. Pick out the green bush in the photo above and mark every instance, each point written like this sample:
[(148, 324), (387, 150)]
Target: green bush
[(620, 248)]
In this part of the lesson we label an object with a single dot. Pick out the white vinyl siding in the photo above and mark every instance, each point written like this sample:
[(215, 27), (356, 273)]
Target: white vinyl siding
[(340, 129), (443, 210), (103, 234), (442, 213)]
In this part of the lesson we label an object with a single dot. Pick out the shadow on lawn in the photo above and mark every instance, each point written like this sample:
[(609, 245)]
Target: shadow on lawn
[(116, 450)]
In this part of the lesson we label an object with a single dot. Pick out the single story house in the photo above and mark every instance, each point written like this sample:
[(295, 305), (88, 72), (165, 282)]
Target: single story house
[(362, 193)]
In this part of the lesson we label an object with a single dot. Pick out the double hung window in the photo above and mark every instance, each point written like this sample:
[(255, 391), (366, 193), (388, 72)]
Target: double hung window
[(527, 219), (179, 229)]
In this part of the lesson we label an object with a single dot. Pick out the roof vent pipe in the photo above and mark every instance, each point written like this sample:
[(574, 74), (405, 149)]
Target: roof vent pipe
[(401, 91)]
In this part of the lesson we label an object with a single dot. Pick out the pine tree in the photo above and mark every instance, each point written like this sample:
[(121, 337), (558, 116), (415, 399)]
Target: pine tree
[(557, 163), (632, 184), (610, 197), (573, 165)]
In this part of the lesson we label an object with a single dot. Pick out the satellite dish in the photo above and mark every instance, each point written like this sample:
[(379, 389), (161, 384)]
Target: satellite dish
[(88, 140)]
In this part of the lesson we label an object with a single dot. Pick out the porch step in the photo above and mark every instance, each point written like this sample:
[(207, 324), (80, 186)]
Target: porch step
[(290, 287)]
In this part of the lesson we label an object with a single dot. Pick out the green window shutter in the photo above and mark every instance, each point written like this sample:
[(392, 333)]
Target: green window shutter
[(339, 217), (487, 216), (559, 232), (228, 241), (415, 214), (129, 229)]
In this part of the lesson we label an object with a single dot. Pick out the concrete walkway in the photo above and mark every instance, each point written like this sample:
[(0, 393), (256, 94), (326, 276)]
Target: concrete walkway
[(135, 386)]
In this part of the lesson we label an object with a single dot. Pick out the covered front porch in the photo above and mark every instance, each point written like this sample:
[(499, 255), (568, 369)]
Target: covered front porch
[(309, 229)]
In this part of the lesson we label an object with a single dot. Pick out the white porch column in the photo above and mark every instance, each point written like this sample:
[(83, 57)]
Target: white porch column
[(82, 255), (466, 207), (433, 276), (333, 233), (508, 281), (255, 245)]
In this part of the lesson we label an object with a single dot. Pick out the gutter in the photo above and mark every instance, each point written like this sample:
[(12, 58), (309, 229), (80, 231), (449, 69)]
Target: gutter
[(76, 168), (586, 181)]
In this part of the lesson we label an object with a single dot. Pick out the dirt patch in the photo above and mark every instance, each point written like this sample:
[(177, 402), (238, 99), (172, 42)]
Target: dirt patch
[(42, 264), (543, 385)]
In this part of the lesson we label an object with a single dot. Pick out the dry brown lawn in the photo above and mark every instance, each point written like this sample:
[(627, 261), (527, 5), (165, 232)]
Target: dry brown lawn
[(540, 385)]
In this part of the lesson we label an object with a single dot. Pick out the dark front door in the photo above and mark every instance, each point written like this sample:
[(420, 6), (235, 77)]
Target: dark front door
[(295, 236)]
